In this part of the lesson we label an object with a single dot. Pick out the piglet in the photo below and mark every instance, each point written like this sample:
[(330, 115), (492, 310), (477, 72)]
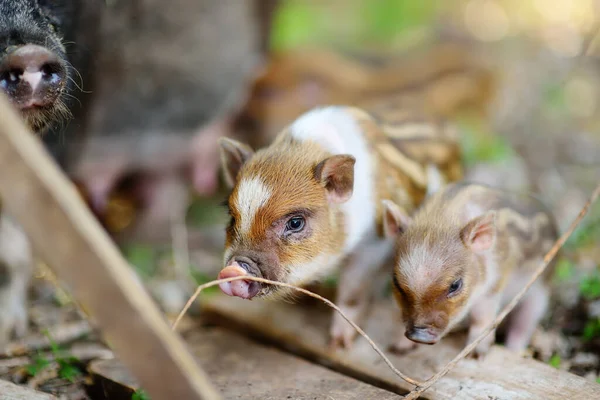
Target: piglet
[(467, 252), (311, 202)]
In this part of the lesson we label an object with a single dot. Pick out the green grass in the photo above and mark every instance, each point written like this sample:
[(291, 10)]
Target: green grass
[(590, 286), (564, 271), (587, 233), (591, 329), (555, 361), (140, 395), (67, 368), (381, 22)]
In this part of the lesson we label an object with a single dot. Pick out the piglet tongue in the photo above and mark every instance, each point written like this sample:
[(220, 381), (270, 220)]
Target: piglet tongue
[(242, 288)]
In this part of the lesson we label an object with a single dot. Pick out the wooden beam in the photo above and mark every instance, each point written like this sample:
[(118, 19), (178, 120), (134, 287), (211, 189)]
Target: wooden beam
[(303, 331), (68, 238), (244, 370)]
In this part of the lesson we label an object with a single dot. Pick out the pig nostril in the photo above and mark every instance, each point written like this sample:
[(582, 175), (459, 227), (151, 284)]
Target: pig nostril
[(10, 77), (51, 72)]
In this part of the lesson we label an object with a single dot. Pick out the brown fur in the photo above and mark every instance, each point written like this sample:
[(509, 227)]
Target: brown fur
[(439, 80), (393, 181), (288, 166), (434, 250)]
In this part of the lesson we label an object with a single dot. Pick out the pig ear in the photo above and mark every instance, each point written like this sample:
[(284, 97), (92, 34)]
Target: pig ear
[(395, 220), (233, 155), (480, 233), (336, 174)]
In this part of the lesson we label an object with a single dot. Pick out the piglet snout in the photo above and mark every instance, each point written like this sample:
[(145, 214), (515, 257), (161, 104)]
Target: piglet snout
[(423, 335), (244, 289)]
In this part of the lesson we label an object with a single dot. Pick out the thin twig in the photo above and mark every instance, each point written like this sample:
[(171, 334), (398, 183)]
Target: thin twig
[(593, 42), (416, 393), (309, 293)]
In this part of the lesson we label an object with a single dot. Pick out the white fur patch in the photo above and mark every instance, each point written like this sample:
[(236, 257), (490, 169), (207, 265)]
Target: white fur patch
[(319, 267), (252, 195), (419, 267), (337, 131)]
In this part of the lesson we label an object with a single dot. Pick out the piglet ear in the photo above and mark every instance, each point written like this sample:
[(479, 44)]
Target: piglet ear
[(336, 174), (233, 155), (480, 233), (395, 220)]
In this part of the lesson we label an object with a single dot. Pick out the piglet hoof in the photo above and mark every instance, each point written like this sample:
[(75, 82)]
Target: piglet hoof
[(478, 353), (342, 334), (339, 343), (341, 339)]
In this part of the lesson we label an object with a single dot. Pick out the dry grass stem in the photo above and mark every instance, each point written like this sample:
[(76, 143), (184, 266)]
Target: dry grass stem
[(309, 293)]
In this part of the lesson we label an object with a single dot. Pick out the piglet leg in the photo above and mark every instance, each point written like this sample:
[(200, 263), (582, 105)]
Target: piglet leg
[(483, 313), (355, 288), (16, 267), (526, 317), (403, 345)]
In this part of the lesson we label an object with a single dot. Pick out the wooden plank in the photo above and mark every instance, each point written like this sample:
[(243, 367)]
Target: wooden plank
[(242, 369), (69, 239), (303, 330), (10, 391)]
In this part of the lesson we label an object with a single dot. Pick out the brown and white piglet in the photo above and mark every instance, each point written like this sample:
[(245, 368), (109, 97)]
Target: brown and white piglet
[(467, 252), (311, 201)]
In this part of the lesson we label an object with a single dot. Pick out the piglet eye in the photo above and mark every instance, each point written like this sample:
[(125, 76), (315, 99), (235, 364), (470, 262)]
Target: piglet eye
[(295, 224), (455, 287)]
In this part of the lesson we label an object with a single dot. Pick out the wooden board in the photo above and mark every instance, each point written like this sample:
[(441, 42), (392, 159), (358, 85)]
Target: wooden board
[(242, 369), (303, 330), (10, 391), (70, 240)]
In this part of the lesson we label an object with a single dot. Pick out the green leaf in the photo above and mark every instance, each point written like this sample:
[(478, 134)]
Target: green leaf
[(591, 329), (39, 363), (140, 395), (555, 361), (68, 371)]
